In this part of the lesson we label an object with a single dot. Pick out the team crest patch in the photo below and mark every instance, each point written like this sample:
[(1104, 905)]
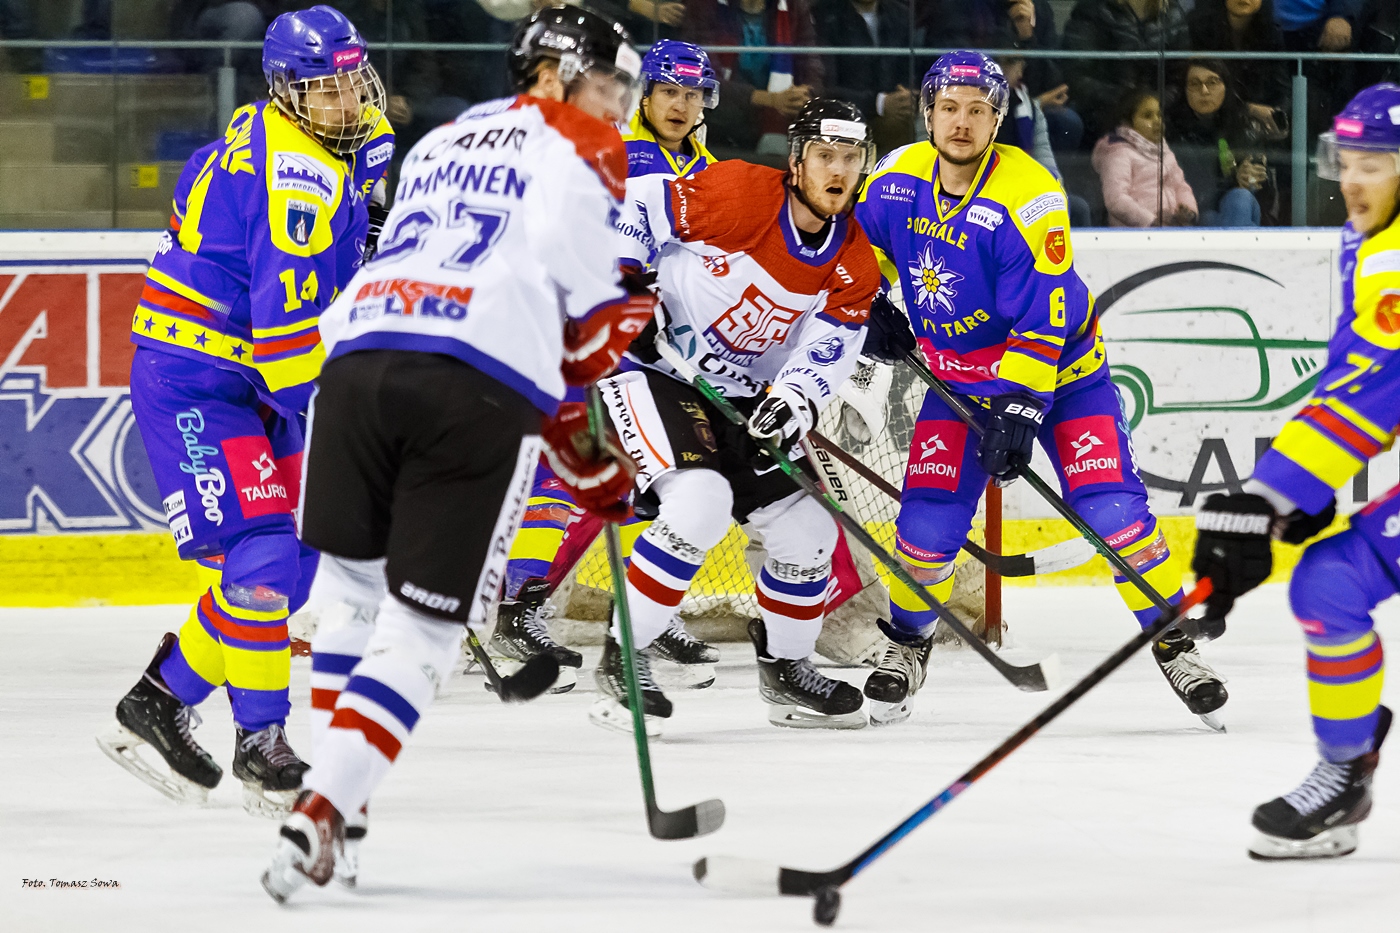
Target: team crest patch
[(1056, 245), (717, 266), (828, 351), (1388, 312), (933, 282), (301, 220)]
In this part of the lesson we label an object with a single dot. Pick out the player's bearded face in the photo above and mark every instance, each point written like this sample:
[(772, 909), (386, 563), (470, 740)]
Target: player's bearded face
[(673, 110), (1370, 187), (961, 124), (828, 174), (333, 104)]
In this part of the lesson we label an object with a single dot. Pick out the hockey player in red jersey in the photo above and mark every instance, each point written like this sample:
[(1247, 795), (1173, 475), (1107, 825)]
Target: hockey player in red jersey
[(766, 282), (496, 283)]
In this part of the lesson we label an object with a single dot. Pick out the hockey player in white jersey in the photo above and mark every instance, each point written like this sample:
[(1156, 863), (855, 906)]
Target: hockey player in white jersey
[(495, 283), (766, 282)]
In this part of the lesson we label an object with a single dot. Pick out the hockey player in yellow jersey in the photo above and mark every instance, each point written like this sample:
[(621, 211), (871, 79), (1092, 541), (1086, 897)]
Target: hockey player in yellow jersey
[(1353, 416)]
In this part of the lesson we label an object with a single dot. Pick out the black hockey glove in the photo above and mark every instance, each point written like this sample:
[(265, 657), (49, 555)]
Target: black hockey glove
[(1298, 526), (888, 336), (1233, 535), (378, 208), (783, 417), (1007, 443)]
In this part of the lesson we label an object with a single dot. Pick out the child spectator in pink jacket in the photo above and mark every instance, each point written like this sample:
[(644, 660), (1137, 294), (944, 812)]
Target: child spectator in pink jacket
[(1127, 161)]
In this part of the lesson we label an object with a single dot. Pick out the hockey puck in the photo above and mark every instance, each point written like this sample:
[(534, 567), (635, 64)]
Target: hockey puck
[(828, 905)]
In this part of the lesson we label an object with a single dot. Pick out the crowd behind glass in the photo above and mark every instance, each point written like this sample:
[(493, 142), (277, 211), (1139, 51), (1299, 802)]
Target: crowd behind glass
[(1180, 138)]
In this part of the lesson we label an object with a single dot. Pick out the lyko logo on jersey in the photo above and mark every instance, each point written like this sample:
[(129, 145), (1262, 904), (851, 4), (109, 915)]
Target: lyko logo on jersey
[(257, 478), (411, 297), (933, 282), (717, 266), (1056, 245), (301, 220), (752, 326), (936, 455), (1088, 449)]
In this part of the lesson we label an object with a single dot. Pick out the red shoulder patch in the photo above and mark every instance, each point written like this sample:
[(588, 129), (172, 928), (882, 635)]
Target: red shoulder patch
[(597, 142)]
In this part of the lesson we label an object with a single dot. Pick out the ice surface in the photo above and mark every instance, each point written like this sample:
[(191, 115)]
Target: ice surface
[(1126, 815)]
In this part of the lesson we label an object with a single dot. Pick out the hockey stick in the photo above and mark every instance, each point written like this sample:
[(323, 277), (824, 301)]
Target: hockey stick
[(750, 876), (708, 815), (534, 677), (1031, 678), (1115, 559), (1056, 557)]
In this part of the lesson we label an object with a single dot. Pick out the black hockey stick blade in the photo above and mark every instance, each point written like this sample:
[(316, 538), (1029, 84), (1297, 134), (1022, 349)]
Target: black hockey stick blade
[(752, 876), (699, 820), (535, 677)]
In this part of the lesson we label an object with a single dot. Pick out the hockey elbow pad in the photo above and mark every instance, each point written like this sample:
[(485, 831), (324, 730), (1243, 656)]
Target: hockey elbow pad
[(593, 347), (599, 475)]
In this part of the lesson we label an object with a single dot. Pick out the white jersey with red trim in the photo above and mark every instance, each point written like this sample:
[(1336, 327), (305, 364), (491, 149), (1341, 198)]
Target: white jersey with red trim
[(501, 231), (749, 304)]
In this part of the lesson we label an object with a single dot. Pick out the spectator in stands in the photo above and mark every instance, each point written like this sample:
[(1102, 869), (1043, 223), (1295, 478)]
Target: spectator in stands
[(1132, 158), (16, 23), (1245, 26), (874, 83), (1025, 127), (1321, 26), (1378, 31), (1095, 85), (1032, 26), (760, 92), (1211, 132)]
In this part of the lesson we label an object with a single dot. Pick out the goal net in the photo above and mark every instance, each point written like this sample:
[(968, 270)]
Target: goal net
[(887, 400)]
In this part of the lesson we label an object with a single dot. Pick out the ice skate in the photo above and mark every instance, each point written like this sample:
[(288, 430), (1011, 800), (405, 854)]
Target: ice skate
[(1199, 687), (612, 710), (522, 632), (347, 860), (901, 673), (270, 771), (798, 695), (309, 843), (150, 715), (1319, 819), (690, 662)]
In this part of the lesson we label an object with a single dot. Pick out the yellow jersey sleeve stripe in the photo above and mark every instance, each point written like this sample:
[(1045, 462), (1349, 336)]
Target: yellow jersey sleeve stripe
[(1317, 453), (180, 288)]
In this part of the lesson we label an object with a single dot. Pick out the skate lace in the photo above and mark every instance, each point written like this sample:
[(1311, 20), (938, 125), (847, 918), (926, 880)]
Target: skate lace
[(272, 742), (1327, 781), (899, 659), (184, 727), (536, 620), (678, 634), (1187, 669), (643, 668), (809, 678)]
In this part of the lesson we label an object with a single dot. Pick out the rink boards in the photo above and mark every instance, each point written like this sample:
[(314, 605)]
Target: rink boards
[(1214, 337)]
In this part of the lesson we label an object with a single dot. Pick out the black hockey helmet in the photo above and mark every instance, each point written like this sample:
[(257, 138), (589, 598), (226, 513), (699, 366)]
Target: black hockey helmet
[(825, 119), (581, 41)]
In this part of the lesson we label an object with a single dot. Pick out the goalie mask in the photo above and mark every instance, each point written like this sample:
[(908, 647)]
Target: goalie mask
[(317, 68)]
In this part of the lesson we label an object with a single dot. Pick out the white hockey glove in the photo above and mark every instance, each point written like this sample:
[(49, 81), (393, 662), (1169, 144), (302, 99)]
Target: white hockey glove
[(784, 417)]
